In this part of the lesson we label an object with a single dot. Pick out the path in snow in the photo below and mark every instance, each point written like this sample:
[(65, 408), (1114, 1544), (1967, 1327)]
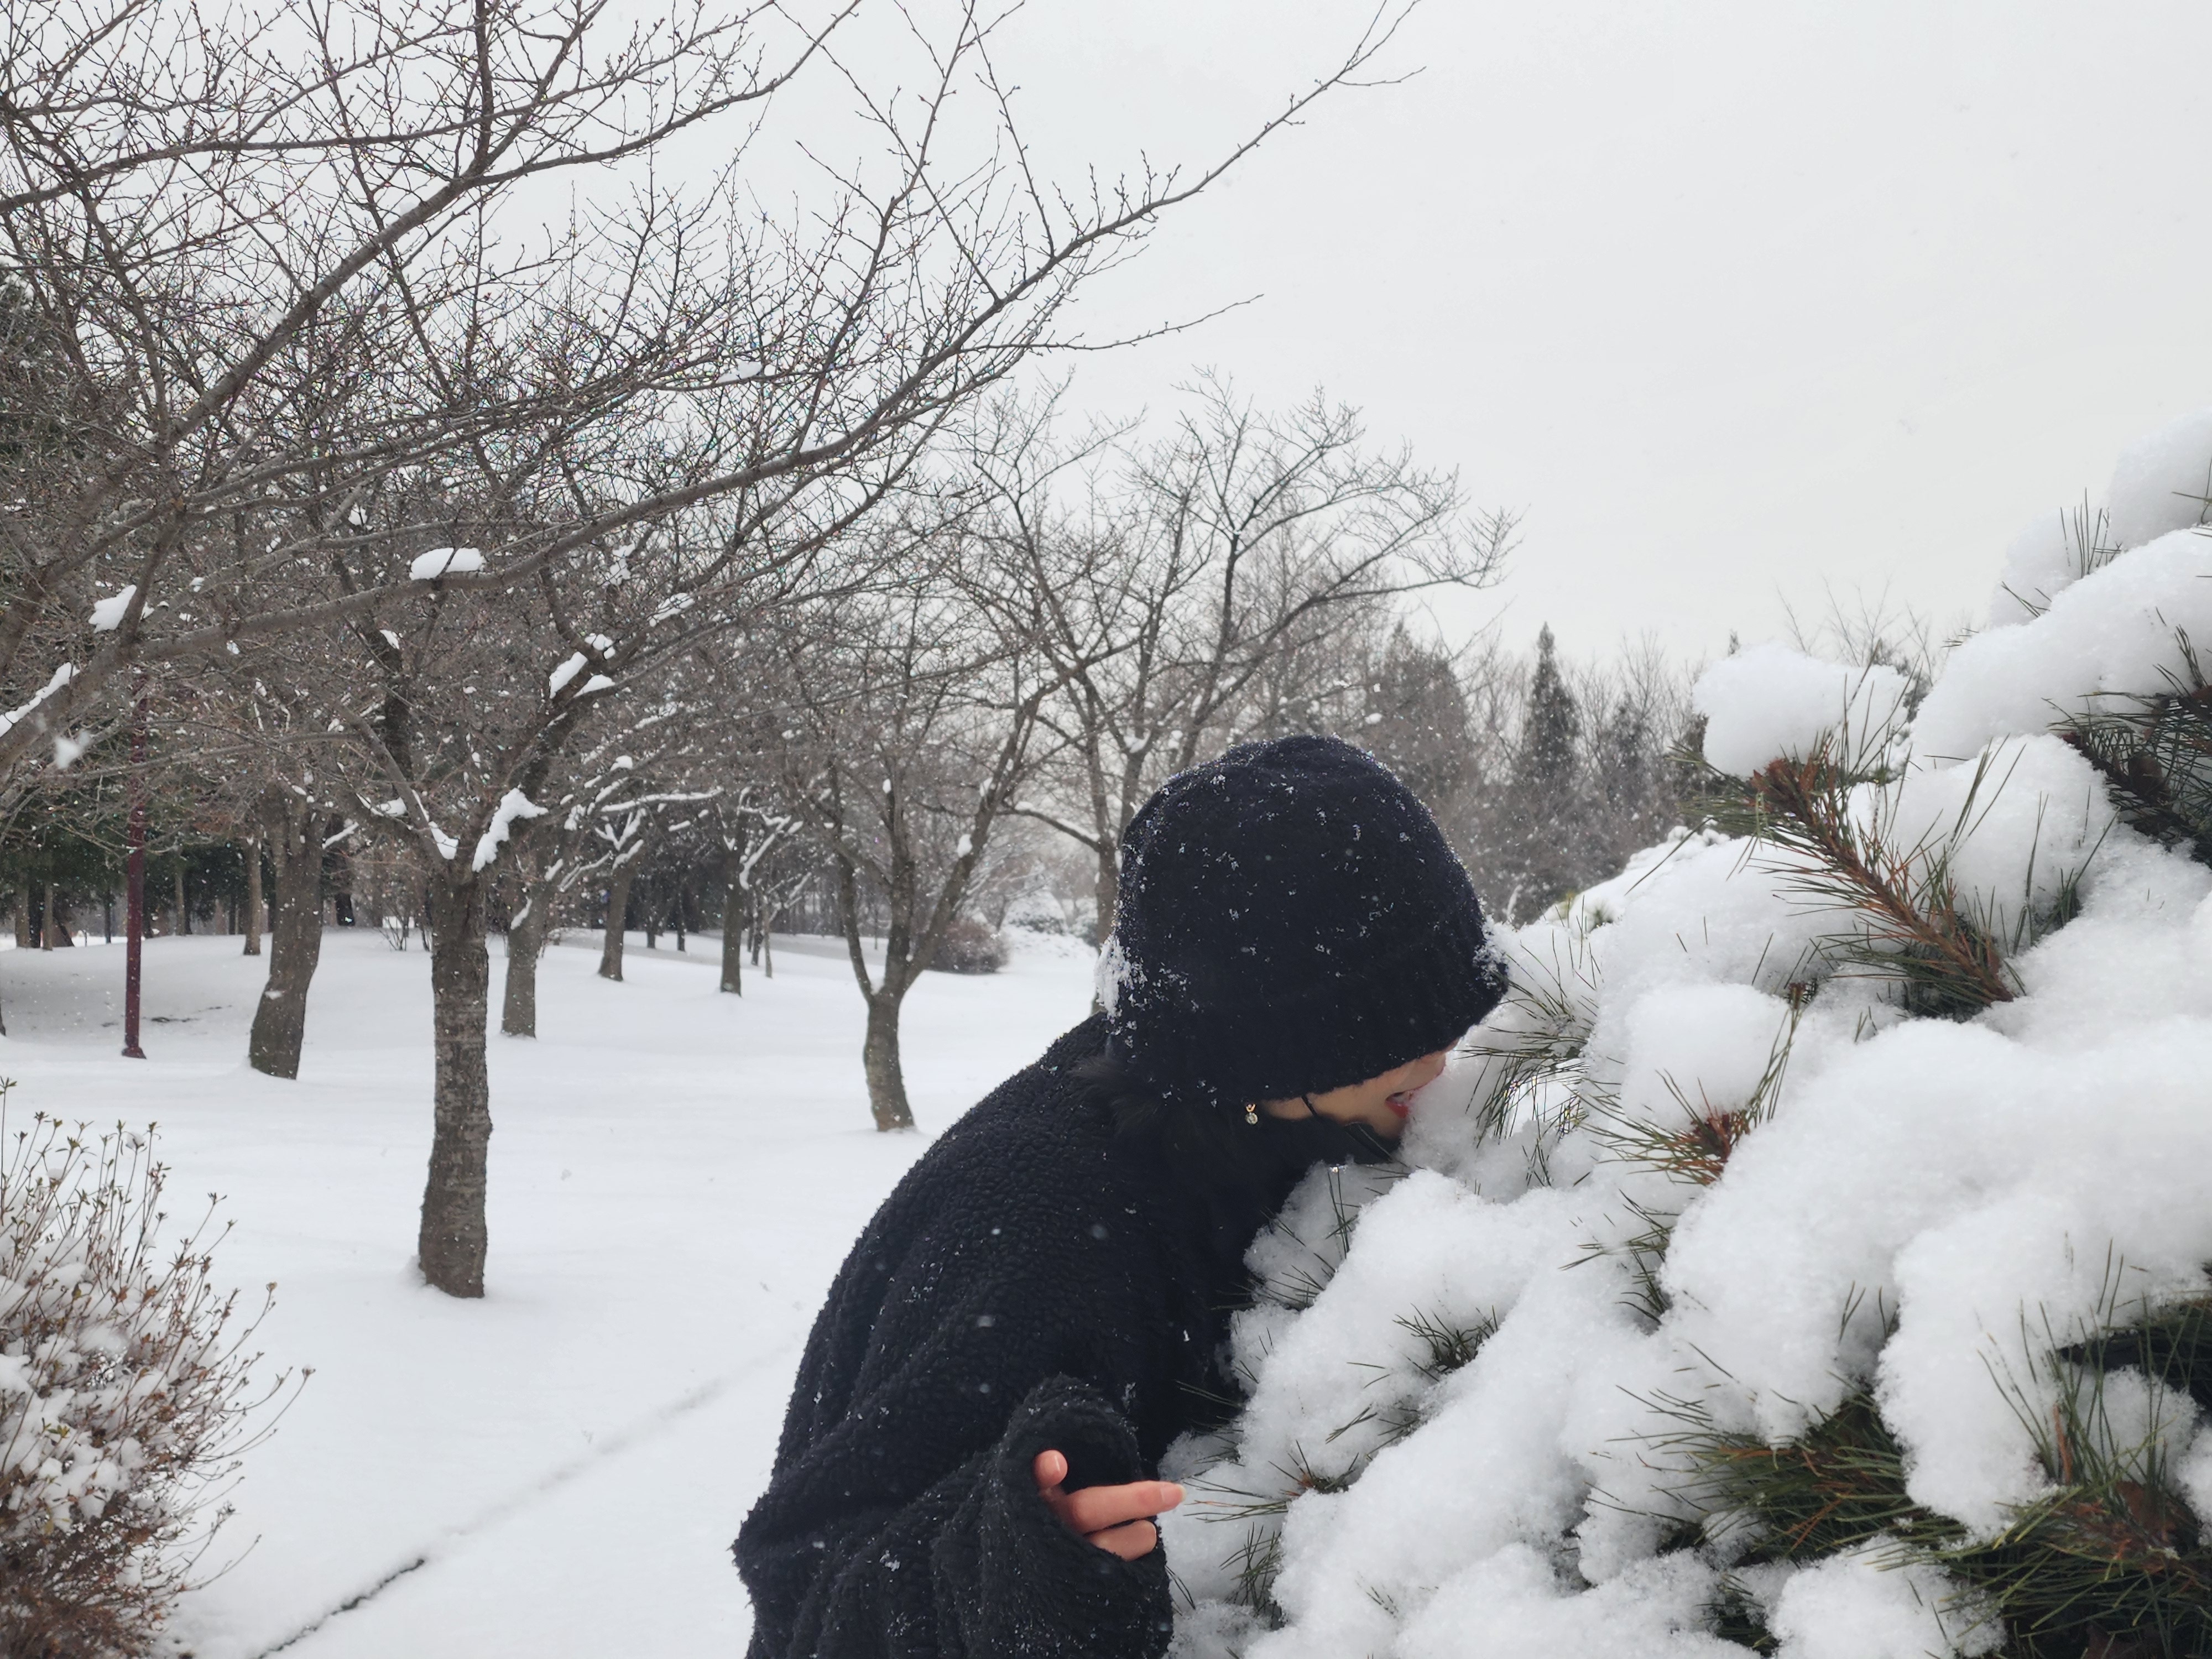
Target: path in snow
[(558, 1469)]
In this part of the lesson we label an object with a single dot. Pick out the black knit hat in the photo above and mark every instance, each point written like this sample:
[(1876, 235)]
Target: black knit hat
[(1290, 920)]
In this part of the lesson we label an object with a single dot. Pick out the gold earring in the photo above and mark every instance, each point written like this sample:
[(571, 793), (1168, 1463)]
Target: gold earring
[(1252, 1113)]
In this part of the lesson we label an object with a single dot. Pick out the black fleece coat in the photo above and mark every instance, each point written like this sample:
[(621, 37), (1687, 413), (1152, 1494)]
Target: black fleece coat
[(1056, 1271)]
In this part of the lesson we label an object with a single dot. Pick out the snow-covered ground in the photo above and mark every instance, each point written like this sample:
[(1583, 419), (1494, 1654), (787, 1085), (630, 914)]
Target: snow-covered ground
[(676, 1173)]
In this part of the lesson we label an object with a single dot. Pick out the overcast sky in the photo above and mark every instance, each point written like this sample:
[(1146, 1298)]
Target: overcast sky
[(1736, 303)]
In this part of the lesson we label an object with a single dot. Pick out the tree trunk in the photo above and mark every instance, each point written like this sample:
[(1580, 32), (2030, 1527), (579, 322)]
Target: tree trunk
[(526, 943), (452, 1247), (295, 943), (134, 879), (879, 1058), (253, 900), (46, 932), (23, 917), (733, 936), (610, 952), (339, 855), (184, 912)]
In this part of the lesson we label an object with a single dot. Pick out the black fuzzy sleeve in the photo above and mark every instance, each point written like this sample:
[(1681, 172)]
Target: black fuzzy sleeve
[(1010, 1579), (977, 1566)]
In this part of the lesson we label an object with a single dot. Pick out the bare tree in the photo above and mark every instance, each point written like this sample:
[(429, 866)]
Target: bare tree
[(595, 821), (785, 874), (1185, 572), (910, 726), (312, 395), (263, 283), (625, 832), (748, 831)]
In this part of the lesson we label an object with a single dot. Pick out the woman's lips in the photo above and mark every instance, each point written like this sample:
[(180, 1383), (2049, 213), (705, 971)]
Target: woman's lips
[(1401, 1104)]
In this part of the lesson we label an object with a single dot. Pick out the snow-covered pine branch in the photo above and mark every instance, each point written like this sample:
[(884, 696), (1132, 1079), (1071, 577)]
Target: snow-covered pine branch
[(1867, 1122)]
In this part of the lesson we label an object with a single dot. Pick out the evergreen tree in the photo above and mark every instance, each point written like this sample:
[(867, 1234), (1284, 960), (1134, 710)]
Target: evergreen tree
[(1543, 793)]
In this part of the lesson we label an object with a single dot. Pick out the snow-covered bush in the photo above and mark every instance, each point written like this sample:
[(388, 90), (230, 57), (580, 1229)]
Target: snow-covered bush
[(125, 1394), (969, 946), (1810, 1256)]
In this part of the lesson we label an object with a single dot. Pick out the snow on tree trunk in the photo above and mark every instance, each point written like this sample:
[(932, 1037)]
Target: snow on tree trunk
[(526, 943), (879, 1057), (295, 943), (253, 899), (610, 952), (451, 1246)]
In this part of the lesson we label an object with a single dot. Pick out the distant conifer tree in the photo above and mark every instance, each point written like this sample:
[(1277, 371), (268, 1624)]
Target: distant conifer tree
[(1543, 792)]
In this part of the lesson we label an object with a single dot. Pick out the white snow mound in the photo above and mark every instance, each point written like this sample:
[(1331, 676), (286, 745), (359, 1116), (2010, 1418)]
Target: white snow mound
[(2118, 631), (2163, 483), (446, 562), (1768, 701), (107, 614)]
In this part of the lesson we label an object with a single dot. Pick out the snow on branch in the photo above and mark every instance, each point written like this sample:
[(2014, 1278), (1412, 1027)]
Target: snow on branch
[(107, 615), (447, 561), (567, 672), (511, 805), (62, 676)]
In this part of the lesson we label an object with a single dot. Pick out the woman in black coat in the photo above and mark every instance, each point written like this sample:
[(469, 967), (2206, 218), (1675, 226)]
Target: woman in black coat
[(967, 1468)]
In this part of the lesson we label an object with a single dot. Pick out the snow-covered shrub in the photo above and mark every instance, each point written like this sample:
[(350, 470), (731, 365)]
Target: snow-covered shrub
[(1812, 1255), (969, 946), (125, 1392), (1040, 909)]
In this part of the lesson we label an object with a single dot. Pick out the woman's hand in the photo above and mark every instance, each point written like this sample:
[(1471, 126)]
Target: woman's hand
[(1118, 1519)]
